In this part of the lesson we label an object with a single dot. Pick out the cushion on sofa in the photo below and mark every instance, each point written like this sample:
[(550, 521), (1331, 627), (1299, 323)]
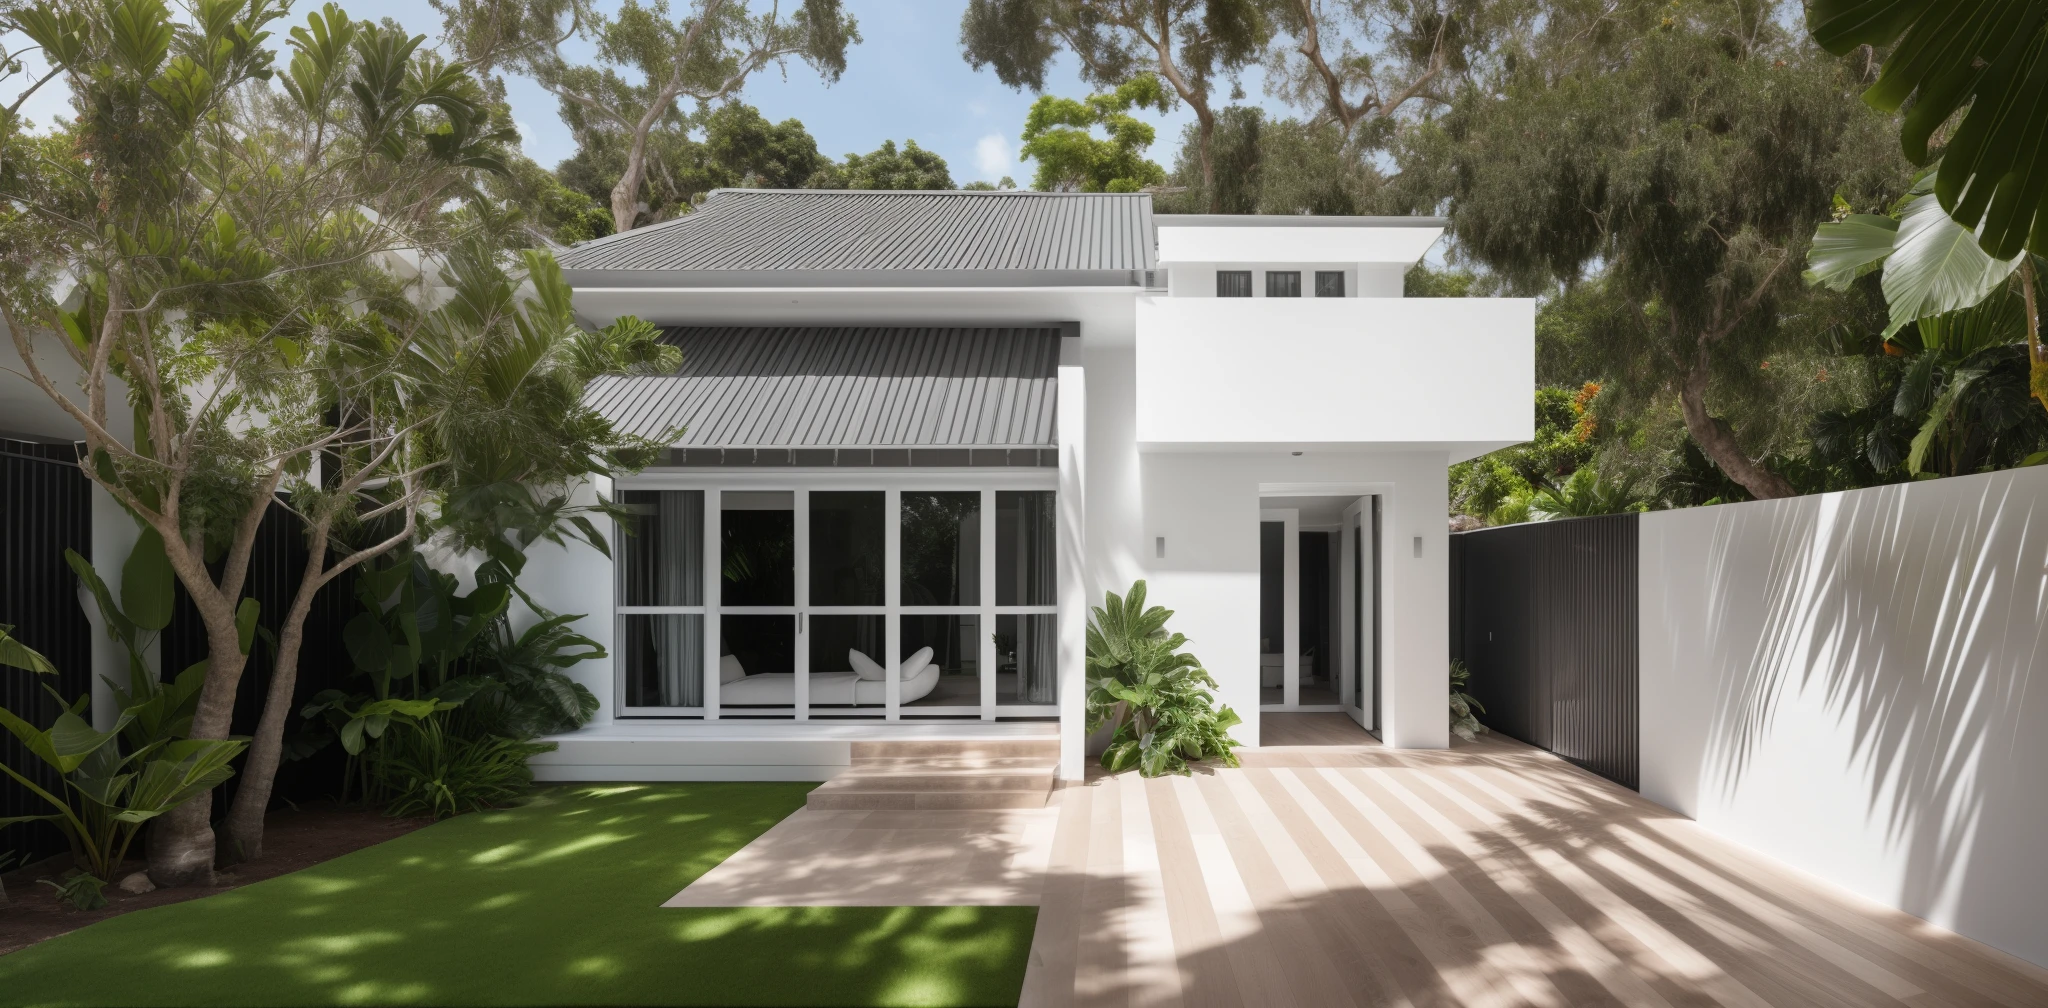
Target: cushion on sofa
[(729, 669)]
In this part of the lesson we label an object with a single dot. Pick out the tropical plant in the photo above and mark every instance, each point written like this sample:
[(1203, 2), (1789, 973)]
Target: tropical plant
[(427, 770), (108, 795), (1463, 723), (1153, 696), (8, 860), (1585, 493)]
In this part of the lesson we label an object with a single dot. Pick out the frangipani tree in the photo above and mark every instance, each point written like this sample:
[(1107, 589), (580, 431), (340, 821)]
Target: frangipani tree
[(249, 255)]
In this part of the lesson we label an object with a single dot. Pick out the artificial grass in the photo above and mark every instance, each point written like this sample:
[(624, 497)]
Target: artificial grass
[(557, 902)]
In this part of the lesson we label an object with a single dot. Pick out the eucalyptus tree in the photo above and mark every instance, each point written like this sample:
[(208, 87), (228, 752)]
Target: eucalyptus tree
[(1188, 43), (1359, 64), (216, 270), (649, 61), (1683, 154)]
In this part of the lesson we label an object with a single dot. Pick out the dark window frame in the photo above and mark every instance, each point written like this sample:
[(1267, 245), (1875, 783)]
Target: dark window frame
[(1323, 275), (1227, 283), (1283, 283)]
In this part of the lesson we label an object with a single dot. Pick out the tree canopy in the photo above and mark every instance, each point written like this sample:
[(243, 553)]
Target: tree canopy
[(1058, 134)]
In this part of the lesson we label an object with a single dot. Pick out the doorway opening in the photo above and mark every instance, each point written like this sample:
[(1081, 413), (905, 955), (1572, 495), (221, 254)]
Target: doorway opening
[(1319, 605)]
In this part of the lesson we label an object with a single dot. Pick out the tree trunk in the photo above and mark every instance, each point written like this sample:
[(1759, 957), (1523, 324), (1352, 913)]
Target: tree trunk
[(266, 749), (626, 194), (1205, 126), (1717, 440), (181, 842)]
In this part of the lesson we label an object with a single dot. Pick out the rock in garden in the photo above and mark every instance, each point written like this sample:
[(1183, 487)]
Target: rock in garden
[(138, 883)]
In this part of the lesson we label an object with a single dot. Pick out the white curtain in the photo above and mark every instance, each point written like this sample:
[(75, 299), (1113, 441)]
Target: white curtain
[(664, 566)]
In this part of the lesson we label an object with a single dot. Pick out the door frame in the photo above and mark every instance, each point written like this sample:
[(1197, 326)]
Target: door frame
[(1362, 642)]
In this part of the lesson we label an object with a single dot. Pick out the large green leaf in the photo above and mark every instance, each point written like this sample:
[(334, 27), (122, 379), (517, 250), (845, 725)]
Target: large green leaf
[(1989, 55), (119, 626), (1937, 267), (21, 656), (1850, 248), (147, 583)]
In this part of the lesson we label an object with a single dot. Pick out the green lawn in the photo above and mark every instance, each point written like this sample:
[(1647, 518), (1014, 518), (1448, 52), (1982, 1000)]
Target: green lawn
[(554, 903)]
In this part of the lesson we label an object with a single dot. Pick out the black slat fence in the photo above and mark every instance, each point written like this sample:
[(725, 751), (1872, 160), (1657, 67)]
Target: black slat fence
[(1545, 616)]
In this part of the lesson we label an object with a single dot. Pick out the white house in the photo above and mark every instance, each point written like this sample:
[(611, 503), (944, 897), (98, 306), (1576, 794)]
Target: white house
[(952, 420)]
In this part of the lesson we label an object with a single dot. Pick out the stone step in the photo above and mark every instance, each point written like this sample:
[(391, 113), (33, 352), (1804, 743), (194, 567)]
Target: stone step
[(904, 800), (1047, 748)]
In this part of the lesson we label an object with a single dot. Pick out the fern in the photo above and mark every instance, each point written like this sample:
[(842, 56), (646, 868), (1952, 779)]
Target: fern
[(1155, 695)]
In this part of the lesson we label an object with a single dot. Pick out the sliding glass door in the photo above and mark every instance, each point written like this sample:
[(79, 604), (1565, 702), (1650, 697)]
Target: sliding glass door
[(909, 602)]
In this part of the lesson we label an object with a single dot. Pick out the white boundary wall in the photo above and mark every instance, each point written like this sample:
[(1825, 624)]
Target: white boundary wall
[(1857, 684)]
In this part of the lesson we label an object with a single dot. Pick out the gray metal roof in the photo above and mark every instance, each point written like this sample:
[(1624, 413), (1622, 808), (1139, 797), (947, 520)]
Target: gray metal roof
[(1056, 237), (1295, 220), (771, 386)]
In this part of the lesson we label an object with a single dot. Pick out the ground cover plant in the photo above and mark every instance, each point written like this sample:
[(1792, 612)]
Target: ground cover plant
[(557, 902)]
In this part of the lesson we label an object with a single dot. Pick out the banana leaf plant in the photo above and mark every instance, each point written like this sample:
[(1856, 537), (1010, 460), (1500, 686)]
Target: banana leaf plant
[(1153, 696), (415, 627), (107, 795)]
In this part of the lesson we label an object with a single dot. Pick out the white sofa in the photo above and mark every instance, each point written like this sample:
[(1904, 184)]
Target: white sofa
[(779, 688)]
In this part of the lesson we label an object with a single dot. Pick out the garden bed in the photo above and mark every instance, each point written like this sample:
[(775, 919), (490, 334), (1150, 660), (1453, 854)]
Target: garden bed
[(295, 838)]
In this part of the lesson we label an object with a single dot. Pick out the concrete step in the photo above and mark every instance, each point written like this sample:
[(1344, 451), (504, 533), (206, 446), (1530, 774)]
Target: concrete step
[(996, 764), (1044, 748)]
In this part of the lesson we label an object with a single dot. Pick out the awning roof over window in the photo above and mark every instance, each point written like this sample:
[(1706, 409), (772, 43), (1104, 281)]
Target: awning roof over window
[(775, 386)]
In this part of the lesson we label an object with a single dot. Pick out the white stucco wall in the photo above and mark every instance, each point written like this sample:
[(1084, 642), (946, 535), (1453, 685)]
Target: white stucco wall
[(578, 579), (1857, 684), (1206, 505)]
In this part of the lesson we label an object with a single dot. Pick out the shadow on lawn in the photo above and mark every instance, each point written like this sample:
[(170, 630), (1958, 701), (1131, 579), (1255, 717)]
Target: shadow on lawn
[(556, 902)]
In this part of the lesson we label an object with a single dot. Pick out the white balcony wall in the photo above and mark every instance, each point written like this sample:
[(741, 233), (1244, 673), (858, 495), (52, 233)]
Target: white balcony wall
[(1389, 372)]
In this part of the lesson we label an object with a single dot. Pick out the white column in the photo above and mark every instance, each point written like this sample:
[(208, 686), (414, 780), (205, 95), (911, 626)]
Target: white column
[(1073, 584), (1416, 615), (714, 565)]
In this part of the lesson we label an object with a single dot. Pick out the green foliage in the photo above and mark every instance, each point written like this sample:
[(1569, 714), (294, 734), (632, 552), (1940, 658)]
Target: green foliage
[(886, 167), (1059, 134), (1154, 697), (80, 890), (429, 771), (1564, 443), (1931, 264), (1945, 57), (1464, 723), (109, 794), (1585, 493), (1267, 165)]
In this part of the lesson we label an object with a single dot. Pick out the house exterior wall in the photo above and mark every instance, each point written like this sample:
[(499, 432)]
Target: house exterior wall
[(1206, 506), (1364, 372), (1852, 683)]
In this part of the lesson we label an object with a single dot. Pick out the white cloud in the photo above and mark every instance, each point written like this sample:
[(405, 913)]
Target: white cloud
[(992, 154), (525, 133)]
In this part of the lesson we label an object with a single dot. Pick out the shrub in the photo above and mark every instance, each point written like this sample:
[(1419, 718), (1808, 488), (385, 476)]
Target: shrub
[(1154, 695)]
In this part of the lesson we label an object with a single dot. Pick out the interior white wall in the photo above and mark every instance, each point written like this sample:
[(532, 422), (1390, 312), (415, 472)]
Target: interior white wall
[(1853, 683), (576, 578), (1206, 505)]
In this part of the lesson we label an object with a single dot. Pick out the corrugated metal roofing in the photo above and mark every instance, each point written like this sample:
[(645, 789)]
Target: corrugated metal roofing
[(764, 386), (781, 229)]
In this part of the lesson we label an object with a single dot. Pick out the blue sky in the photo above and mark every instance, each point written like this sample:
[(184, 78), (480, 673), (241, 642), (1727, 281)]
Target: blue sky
[(906, 80)]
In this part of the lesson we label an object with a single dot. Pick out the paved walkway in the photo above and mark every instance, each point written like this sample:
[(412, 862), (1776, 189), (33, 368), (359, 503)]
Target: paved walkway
[(1332, 871)]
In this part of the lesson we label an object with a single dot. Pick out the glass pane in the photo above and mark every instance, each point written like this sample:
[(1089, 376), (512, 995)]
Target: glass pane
[(664, 659), (1329, 283), (1318, 594), (846, 547), (759, 554), (764, 650), (663, 547), (1283, 284), (1027, 659), (833, 681), (1272, 611), (1233, 283), (955, 641), (1024, 548), (942, 549)]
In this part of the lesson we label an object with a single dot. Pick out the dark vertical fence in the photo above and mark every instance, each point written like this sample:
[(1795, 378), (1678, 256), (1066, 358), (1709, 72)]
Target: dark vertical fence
[(275, 567), (45, 507), (1545, 616)]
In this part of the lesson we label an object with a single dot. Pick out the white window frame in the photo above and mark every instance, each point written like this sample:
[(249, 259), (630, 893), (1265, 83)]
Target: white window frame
[(893, 483)]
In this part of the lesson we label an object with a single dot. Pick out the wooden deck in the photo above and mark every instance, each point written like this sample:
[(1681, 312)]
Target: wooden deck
[(1332, 871)]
